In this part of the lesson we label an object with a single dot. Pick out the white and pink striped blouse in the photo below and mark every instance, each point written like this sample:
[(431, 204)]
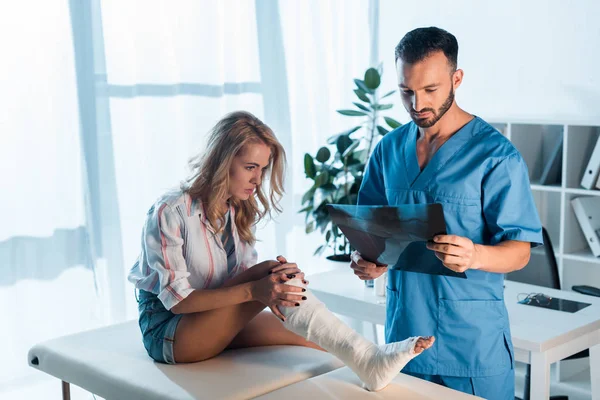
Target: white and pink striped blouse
[(181, 252)]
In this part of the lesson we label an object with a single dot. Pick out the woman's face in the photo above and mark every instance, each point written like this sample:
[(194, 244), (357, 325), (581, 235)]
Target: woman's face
[(247, 170)]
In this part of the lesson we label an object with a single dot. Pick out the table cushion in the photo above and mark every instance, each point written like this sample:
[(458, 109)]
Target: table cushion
[(112, 362), (344, 384)]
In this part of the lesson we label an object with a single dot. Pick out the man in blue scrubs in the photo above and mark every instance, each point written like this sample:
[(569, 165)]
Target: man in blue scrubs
[(448, 156)]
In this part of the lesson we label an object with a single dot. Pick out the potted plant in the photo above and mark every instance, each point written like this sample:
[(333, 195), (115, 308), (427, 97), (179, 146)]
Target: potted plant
[(337, 168)]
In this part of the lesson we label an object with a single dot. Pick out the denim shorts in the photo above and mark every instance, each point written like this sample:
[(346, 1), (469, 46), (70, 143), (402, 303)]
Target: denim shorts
[(158, 327)]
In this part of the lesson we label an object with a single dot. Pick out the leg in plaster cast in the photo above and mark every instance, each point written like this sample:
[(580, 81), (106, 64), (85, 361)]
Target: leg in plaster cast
[(376, 366)]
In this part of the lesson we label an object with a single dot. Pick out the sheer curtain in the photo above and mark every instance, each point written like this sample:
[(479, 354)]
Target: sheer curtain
[(107, 101), (172, 69), (327, 44), (47, 285), (290, 63)]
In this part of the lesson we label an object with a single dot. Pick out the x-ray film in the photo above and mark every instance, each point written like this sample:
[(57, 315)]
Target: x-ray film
[(394, 235)]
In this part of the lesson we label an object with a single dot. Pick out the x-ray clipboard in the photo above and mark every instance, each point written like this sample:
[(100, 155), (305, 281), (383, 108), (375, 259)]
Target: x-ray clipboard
[(394, 235)]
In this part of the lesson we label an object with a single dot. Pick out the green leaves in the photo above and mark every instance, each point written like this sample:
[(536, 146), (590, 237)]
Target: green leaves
[(350, 149), (372, 78), (387, 94), (343, 143), (323, 155), (362, 86), (352, 113), (338, 167), (322, 179), (310, 227), (309, 166), (333, 139), (319, 250), (382, 130), (392, 123), (309, 195), (382, 106), (362, 95), (361, 107)]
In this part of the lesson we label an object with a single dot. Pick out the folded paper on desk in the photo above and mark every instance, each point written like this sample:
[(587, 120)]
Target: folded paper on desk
[(394, 235)]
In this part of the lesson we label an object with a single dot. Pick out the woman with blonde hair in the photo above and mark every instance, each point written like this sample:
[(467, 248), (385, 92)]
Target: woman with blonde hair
[(200, 289)]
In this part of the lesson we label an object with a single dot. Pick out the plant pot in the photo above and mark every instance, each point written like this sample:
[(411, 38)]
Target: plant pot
[(339, 257)]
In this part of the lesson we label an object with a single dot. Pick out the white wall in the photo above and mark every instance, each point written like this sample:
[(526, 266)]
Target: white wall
[(523, 60)]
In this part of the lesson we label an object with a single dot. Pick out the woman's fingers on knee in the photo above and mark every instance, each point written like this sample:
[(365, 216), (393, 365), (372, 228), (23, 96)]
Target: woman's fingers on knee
[(283, 266), (293, 297), (277, 312), (291, 289), (288, 303), (278, 268), (289, 274), (296, 275)]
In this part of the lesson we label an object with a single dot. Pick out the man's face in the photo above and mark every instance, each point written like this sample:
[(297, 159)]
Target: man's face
[(427, 88)]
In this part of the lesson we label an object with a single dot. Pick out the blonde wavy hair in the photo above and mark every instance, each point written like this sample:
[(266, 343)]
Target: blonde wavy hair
[(209, 181)]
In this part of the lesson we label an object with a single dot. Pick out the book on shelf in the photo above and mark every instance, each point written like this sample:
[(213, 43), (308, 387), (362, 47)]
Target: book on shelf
[(587, 211), (593, 168), (553, 169)]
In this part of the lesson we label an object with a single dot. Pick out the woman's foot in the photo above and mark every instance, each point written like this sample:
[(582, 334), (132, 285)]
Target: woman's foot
[(375, 365), (387, 360)]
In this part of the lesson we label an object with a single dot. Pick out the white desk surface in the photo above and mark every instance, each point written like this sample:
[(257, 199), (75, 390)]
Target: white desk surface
[(533, 328)]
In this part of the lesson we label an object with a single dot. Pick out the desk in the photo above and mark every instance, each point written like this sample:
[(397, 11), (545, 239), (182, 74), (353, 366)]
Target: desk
[(540, 337)]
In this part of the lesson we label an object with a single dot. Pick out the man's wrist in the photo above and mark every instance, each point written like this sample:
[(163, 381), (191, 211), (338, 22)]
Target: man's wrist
[(478, 256)]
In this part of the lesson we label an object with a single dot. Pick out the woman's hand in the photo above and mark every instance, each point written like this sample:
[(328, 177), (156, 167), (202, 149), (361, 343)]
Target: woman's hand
[(283, 266), (268, 267), (273, 293)]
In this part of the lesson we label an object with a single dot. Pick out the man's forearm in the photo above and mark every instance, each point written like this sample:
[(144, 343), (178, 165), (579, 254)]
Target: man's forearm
[(503, 257)]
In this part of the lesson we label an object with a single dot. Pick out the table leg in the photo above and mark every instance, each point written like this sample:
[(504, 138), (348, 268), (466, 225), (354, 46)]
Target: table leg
[(595, 371), (540, 377), (66, 391)]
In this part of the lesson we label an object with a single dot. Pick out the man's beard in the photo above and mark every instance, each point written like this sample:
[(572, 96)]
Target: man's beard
[(427, 123)]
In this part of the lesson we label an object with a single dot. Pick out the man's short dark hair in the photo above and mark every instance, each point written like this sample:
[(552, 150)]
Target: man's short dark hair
[(419, 43)]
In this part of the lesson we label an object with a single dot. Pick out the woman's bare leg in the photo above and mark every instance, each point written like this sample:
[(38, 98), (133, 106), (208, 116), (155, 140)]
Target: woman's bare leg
[(203, 335), (267, 330)]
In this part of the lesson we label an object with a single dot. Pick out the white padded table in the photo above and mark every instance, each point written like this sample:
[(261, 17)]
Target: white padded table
[(112, 363), (344, 384)]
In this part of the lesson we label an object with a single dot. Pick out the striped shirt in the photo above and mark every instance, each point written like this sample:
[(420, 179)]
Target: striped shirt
[(181, 252)]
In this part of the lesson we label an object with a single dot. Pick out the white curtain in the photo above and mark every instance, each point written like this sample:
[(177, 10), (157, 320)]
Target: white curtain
[(172, 69), (47, 286), (290, 63), (327, 44), (107, 101)]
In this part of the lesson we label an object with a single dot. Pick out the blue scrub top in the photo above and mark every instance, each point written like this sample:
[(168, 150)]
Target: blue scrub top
[(482, 183)]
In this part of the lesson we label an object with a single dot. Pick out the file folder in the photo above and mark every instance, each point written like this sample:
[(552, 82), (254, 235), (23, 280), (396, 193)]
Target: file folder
[(590, 175), (587, 211)]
